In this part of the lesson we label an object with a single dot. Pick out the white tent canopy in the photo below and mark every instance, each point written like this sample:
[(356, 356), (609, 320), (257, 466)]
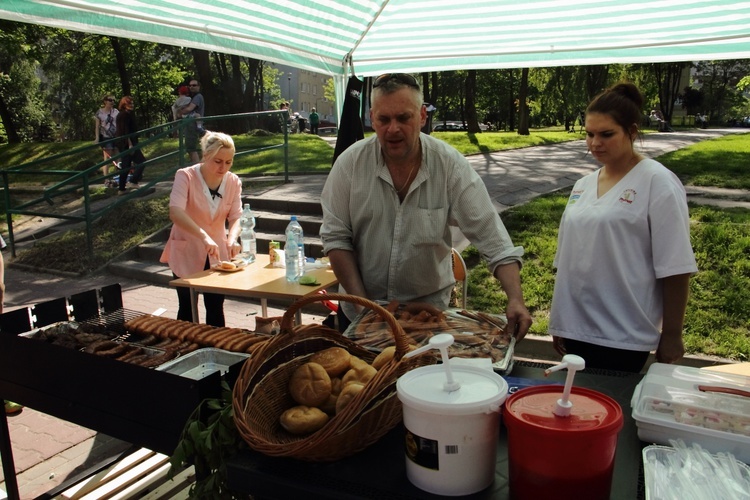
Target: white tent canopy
[(369, 37)]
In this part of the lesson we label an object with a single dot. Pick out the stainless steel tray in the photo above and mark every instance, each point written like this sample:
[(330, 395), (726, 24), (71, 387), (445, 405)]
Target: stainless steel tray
[(203, 362)]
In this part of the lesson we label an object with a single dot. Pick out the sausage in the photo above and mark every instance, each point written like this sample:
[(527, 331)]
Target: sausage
[(114, 352), (200, 334), (132, 352), (100, 345), (185, 332)]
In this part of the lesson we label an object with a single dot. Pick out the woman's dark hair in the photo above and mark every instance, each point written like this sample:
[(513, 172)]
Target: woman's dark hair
[(623, 102)]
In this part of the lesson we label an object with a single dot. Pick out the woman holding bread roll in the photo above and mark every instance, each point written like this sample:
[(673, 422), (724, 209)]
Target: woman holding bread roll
[(205, 198)]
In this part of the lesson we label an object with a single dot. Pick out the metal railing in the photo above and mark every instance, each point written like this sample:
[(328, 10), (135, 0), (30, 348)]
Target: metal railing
[(71, 181)]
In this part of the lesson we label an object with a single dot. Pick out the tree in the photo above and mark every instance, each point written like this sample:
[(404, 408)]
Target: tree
[(718, 80), (23, 113), (692, 100), (523, 108), (667, 77), (472, 123)]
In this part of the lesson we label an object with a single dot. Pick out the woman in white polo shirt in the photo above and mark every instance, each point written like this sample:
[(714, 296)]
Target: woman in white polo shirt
[(624, 257)]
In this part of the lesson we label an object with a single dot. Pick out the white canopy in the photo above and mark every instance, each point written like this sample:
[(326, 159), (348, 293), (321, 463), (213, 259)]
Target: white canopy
[(416, 35), (369, 37)]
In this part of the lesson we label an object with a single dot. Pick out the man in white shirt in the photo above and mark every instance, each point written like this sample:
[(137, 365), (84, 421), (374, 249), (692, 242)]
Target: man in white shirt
[(388, 204)]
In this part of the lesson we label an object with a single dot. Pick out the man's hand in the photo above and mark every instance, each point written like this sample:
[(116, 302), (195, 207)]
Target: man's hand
[(519, 319)]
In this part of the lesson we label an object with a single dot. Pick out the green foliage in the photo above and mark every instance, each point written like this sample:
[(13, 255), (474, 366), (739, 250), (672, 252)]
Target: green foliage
[(208, 440), (21, 91)]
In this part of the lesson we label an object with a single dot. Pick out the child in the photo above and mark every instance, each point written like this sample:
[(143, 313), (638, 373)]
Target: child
[(183, 100)]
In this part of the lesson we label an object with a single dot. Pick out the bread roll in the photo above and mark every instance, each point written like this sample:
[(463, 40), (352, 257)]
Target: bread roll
[(348, 393), (310, 385), (330, 405), (335, 360), (360, 374), (384, 357), (225, 264), (303, 419)]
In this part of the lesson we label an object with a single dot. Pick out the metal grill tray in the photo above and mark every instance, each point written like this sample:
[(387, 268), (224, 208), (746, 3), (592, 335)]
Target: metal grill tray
[(203, 362)]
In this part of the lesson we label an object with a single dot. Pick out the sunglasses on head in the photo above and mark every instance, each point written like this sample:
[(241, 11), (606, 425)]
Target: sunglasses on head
[(403, 78)]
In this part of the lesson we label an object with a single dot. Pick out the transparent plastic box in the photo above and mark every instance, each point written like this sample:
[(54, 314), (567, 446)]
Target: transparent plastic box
[(669, 476), (681, 402)]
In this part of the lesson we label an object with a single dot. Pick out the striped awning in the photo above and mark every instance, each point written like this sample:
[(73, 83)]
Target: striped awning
[(376, 36)]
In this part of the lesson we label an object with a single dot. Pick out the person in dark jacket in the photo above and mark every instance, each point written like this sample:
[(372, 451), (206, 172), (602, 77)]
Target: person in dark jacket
[(126, 125)]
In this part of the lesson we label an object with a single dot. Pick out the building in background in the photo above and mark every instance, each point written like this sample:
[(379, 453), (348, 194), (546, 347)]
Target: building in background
[(305, 90)]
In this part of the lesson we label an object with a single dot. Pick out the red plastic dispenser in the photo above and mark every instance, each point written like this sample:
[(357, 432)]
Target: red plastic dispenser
[(561, 440)]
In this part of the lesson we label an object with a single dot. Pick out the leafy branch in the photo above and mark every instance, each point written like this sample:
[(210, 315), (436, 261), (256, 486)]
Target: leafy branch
[(209, 438)]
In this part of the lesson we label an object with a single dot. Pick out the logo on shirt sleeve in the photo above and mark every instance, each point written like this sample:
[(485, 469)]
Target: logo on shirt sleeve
[(574, 196), (627, 196)]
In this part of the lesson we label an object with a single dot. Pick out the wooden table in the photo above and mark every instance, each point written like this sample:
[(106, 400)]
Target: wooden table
[(257, 280)]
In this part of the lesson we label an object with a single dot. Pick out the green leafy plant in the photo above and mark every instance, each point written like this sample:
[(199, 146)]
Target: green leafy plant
[(209, 438)]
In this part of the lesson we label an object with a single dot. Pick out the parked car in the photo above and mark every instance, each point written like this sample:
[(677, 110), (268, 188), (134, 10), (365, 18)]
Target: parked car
[(455, 126), (448, 127)]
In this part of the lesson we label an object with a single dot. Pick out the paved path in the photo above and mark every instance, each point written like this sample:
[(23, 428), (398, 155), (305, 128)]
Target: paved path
[(47, 450)]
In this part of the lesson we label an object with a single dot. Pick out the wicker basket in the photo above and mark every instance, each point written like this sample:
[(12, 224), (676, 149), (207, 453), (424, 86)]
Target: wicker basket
[(261, 392)]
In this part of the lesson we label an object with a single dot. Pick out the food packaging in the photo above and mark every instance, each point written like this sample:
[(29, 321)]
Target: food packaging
[(682, 402), (476, 334), (203, 362), (691, 472)]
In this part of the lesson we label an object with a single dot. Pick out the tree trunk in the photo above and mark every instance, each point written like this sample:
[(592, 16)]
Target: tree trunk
[(121, 69), (596, 80), (205, 77), (523, 109), (7, 120), (667, 77), (254, 89), (512, 102), (471, 107)]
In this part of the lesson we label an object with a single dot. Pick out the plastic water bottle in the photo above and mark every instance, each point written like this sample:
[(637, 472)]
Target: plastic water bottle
[(294, 250), (247, 235)]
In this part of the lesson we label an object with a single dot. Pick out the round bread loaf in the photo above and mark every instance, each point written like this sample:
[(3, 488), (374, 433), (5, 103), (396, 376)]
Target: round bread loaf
[(335, 360), (303, 419), (225, 264), (384, 357), (330, 405), (310, 385), (348, 393), (361, 374)]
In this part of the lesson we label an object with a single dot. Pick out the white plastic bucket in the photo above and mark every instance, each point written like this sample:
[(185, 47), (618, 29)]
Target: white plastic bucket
[(451, 437)]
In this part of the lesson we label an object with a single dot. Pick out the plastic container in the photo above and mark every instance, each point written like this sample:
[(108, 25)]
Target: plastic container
[(561, 446), (294, 260), (683, 402), (247, 235), (691, 472), (201, 363), (452, 424)]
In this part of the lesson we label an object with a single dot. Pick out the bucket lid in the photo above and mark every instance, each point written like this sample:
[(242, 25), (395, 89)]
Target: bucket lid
[(592, 411), (481, 390)]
